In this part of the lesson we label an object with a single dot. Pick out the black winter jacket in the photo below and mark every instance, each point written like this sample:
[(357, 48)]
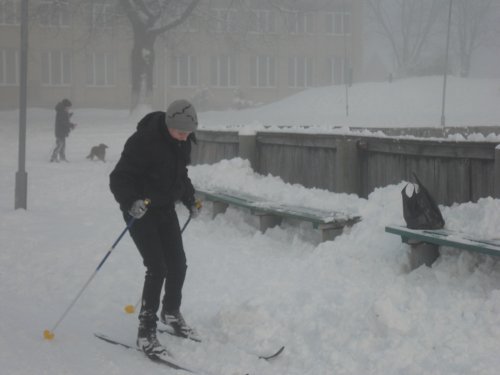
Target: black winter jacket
[(153, 165), (63, 125)]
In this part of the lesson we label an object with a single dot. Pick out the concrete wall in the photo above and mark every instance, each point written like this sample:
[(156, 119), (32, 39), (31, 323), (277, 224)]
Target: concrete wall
[(201, 41)]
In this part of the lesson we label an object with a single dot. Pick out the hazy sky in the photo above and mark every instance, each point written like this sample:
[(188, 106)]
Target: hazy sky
[(485, 62)]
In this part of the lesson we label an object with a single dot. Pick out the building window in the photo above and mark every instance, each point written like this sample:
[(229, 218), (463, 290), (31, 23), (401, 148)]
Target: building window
[(10, 11), (223, 71), (56, 68), (338, 23), (225, 20), (9, 73), (337, 70), (190, 24), (300, 22), (184, 71), (262, 21), (263, 71), (102, 15), (100, 69), (54, 13), (299, 72)]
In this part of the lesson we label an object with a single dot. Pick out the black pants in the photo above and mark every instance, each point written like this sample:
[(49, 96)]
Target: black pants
[(158, 238), (59, 150)]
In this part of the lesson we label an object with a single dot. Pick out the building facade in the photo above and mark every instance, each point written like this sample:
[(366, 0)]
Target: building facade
[(227, 54)]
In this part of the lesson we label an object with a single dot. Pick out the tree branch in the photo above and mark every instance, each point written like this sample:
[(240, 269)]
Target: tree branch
[(179, 20)]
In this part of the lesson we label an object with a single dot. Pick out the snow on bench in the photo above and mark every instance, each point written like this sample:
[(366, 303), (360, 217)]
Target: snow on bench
[(425, 243), (331, 223)]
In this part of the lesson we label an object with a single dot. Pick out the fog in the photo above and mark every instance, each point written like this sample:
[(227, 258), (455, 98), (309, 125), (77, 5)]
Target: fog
[(236, 54), (487, 63), (409, 37)]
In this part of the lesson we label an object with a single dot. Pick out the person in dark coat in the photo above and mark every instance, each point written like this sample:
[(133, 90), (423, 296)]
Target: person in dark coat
[(148, 180), (63, 126)]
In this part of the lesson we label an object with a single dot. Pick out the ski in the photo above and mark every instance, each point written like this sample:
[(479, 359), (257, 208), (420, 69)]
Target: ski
[(273, 355), (171, 332), (268, 357), (165, 360)]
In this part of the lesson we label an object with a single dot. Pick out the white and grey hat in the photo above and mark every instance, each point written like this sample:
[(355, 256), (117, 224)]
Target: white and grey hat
[(181, 115)]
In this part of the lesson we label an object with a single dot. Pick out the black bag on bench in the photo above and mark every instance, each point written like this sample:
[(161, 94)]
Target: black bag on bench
[(420, 211)]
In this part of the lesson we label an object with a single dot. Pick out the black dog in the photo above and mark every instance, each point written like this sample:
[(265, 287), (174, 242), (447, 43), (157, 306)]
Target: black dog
[(99, 152)]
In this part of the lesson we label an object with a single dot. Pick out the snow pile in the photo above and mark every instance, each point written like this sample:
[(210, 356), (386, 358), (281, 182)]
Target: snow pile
[(347, 306)]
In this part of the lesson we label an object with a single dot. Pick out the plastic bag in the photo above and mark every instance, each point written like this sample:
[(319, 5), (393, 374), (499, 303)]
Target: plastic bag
[(420, 210)]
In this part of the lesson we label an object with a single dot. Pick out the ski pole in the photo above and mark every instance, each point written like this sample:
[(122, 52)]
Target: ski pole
[(49, 334), (130, 309)]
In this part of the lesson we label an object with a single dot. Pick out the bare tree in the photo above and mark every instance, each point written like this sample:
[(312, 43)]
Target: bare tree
[(407, 25), (150, 19), (473, 23)]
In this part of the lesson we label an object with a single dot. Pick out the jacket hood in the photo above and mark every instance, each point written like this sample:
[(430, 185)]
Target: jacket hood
[(62, 104), (151, 118), (60, 107)]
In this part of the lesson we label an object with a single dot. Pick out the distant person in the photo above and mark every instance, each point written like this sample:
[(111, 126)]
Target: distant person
[(63, 126), (153, 165)]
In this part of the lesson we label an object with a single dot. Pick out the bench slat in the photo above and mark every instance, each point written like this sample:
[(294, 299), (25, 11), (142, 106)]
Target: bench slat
[(445, 237), (322, 219)]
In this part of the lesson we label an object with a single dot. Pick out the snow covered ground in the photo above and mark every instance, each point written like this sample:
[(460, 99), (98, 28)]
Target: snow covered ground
[(347, 306), (413, 102)]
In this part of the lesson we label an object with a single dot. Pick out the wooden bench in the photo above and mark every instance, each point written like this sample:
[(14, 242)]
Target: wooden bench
[(425, 243), (331, 223)]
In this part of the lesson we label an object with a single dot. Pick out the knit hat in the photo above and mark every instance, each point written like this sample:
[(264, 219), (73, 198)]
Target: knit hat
[(181, 115)]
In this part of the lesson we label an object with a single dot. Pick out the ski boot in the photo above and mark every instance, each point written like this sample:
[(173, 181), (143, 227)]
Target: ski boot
[(149, 344), (177, 326)]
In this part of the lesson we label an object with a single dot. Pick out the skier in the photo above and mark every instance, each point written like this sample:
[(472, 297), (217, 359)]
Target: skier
[(63, 126), (153, 166)]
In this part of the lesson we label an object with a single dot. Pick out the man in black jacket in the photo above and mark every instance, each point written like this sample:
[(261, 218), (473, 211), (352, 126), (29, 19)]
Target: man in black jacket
[(63, 126), (153, 166)]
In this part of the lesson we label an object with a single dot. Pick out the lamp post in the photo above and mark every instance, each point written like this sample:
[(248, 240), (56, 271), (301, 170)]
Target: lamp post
[(21, 193), (446, 65), (345, 62)]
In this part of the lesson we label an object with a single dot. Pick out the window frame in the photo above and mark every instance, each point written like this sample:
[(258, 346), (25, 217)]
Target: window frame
[(218, 77), (93, 70), (263, 72), (262, 21), (192, 71), (4, 67), (64, 71), (225, 20), (300, 69), (16, 13), (57, 13), (105, 12), (337, 75), (332, 19), (300, 23)]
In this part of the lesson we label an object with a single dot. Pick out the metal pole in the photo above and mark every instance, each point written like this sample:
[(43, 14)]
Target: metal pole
[(344, 67), (446, 65), (21, 192), (49, 335)]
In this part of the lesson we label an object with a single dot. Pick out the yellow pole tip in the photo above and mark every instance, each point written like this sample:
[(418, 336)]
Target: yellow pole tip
[(47, 335), (129, 309)]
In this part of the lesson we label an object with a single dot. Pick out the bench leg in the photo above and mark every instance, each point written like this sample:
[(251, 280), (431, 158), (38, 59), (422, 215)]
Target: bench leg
[(268, 221), (329, 234), (218, 208), (422, 253)]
